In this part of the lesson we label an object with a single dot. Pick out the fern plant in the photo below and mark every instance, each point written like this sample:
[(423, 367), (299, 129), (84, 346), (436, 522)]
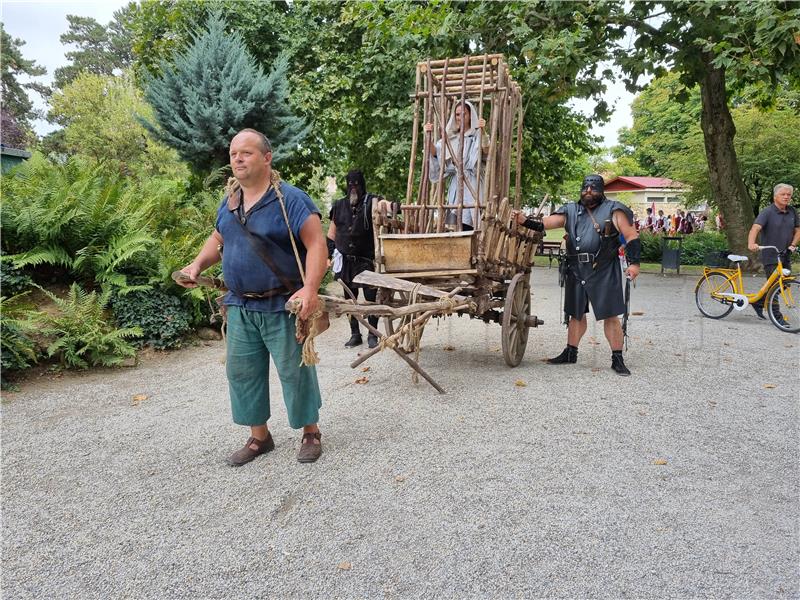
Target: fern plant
[(17, 350), (83, 336), (96, 224)]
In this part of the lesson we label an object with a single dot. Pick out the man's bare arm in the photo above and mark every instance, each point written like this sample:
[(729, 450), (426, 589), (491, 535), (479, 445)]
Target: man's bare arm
[(209, 255), (554, 221), (316, 264), (751, 237)]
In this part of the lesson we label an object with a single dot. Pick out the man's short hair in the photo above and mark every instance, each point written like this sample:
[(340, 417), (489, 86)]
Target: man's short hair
[(782, 186), (266, 146)]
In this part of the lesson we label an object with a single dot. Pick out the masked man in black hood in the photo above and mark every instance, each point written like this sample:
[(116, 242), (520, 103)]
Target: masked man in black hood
[(593, 273), (351, 233)]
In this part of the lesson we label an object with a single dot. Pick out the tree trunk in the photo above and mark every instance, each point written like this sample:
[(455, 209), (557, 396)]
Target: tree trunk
[(723, 166)]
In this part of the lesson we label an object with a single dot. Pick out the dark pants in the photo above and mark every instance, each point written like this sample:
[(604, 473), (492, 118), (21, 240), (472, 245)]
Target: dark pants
[(369, 294), (768, 270)]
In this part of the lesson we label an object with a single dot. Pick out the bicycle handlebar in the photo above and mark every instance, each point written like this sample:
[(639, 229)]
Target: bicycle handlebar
[(774, 248)]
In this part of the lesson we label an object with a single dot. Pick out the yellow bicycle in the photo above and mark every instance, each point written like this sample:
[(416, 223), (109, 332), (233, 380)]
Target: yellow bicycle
[(721, 290)]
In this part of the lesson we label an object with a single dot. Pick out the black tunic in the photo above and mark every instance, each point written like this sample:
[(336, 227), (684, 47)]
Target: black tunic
[(354, 236), (598, 282)]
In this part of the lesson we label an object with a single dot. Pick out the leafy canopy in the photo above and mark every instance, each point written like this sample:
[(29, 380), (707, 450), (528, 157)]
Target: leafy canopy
[(163, 28), (101, 50), (99, 116), (17, 106), (354, 70), (666, 139), (722, 47)]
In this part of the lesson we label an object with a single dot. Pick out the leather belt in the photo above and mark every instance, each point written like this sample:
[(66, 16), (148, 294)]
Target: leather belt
[(278, 291), (583, 257)]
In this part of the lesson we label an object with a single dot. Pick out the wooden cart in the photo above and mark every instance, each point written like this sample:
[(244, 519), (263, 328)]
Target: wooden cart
[(426, 265)]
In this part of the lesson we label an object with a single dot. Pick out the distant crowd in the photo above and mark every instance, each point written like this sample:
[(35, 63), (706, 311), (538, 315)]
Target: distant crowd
[(682, 222)]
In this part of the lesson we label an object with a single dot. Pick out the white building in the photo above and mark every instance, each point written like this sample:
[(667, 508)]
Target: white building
[(641, 192)]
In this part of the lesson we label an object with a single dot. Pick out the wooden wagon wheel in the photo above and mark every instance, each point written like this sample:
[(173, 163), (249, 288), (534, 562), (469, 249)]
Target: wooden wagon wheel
[(515, 314)]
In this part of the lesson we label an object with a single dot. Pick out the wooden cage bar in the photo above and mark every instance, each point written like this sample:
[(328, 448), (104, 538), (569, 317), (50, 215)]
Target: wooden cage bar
[(436, 204)]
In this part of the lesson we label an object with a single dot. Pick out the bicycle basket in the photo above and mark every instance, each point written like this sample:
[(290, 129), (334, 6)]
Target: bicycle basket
[(718, 258)]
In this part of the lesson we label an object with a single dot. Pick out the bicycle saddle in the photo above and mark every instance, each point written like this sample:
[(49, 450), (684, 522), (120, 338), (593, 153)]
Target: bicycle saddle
[(737, 258)]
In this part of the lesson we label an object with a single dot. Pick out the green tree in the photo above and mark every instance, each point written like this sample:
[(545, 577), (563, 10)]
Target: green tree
[(666, 139), (720, 47), (354, 68), (11, 134), (163, 28), (767, 149), (214, 89), (101, 50), (99, 116), (661, 126), (16, 102)]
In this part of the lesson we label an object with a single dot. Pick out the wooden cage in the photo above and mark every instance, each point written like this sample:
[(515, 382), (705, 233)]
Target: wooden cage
[(429, 237)]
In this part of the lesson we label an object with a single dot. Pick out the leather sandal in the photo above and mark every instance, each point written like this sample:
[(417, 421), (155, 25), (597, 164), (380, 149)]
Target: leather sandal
[(246, 454), (309, 451)]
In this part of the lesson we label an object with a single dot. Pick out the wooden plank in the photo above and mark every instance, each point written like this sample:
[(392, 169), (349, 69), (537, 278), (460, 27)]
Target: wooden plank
[(389, 282), (432, 274), (426, 236), (495, 58), (450, 251)]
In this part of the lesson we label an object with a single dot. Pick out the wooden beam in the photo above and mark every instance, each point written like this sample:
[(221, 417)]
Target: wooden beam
[(399, 285)]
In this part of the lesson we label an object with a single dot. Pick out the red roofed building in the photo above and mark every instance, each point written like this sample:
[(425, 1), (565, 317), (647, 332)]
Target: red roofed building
[(640, 193)]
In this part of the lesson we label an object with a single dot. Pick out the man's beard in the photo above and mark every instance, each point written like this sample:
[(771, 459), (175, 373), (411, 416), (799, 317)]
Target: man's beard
[(590, 200), (354, 197)]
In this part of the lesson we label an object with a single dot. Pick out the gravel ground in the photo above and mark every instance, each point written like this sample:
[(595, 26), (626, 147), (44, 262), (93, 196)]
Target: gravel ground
[(680, 481)]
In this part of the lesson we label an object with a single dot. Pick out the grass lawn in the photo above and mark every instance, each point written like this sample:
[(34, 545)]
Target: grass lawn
[(554, 235)]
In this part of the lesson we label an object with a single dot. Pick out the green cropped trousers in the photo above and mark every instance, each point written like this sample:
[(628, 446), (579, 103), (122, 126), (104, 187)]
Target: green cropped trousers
[(253, 337)]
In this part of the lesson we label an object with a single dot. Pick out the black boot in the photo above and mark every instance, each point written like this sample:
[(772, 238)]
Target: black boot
[(568, 356), (759, 310), (372, 340), (355, 340), (618, 364)]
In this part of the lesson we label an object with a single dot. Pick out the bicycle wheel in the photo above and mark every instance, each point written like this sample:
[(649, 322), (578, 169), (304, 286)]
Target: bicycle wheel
[(783, 305), (711, 306)]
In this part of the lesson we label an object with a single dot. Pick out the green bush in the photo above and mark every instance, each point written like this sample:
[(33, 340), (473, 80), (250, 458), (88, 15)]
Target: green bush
[(694, 249), (83, 336), (651, 247), (13, 280), (18, 351), (161, 317), (697, 245)]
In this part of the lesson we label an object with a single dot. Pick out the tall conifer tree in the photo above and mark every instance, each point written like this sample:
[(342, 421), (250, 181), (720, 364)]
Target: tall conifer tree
[(214, 89)]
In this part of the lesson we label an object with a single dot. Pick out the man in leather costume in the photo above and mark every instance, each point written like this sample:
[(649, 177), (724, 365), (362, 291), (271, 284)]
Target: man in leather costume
[(351, 233), (593, 274)]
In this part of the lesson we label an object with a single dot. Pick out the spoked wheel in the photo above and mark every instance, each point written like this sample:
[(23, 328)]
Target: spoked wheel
[(515, 319), (783, 305), (707, 295)]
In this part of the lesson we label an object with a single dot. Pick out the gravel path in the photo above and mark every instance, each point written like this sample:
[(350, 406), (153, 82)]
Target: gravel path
[(681, 481)]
